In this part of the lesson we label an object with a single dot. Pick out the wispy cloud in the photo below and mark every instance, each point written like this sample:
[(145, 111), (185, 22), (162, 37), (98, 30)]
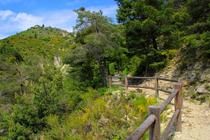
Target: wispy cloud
[(24, 20), (5, 14), (12, 22), (2, 36), (64, 19)]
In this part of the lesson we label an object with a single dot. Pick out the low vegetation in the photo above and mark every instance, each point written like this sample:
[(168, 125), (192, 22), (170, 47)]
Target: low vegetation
[(53, 84)]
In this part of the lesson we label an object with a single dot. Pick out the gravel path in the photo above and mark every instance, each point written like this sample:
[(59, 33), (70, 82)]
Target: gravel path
[(195, 122), (195, 118)]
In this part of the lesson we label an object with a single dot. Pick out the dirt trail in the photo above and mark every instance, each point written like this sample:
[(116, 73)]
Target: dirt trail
[(196, 116), (195, 122)]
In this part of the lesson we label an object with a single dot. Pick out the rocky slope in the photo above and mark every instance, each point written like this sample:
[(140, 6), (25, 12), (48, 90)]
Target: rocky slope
[(195, 77)]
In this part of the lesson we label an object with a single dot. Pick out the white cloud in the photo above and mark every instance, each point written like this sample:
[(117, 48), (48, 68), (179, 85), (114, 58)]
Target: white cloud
[(64, 19), (24, 20), (12, 22), (2, 36), (5, 14)]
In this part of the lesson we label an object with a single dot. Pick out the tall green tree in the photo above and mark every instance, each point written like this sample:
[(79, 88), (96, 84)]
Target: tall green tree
[(149, 29), (197, 33), (142, 22), (98, 41)]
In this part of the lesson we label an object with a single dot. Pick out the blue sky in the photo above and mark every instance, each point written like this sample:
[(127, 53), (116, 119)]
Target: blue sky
[(18, 15)]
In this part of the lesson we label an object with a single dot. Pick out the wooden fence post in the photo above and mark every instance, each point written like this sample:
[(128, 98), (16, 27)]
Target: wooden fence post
[(156, 87), (154, 133), (178, 105), (126, 83), (110, 81)]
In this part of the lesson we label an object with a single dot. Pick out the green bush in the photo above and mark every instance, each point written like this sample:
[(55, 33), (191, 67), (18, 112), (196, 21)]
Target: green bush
[(134, 64), (112, 69), (102, 117), (156, 66)]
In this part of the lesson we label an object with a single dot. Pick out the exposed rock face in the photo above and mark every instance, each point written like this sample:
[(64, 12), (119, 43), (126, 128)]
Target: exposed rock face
[(195, 78), (196, 74), (192, 77), (202, 90), (205, 76), (57, 61)]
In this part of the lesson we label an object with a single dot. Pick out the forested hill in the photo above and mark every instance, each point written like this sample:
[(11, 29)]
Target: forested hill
[(23, 55), (36, 41)]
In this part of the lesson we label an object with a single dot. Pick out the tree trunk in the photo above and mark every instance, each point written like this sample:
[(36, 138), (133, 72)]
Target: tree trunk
[(154, 42), (104, 72)]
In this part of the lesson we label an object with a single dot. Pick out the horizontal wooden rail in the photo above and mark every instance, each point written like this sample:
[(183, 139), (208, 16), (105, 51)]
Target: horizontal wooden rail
[(136, 77), (116, 81), (163, 90), (167, 101), (137, 86), (117, 84), (116, 76), (112, 80), (152, 122), (165, 79), (143, 128), (170, 127)]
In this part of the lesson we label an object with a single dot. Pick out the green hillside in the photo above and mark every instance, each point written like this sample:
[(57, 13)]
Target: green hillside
[(23, 55), (45, 42), (41, 100)]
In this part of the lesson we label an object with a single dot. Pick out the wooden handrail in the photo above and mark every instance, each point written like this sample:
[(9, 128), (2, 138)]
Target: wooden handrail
[(116, 76), (154, 132), (152, 122), (170, 127), (137, 86), (136, 77), (169, 80), (143, 128), (163, 90), (167, 101)]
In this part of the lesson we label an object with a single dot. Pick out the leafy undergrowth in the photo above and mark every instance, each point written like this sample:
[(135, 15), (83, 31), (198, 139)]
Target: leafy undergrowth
[(113, 115)]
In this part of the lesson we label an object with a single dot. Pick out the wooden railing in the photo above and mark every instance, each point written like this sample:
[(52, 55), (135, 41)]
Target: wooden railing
[(152, 122)]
